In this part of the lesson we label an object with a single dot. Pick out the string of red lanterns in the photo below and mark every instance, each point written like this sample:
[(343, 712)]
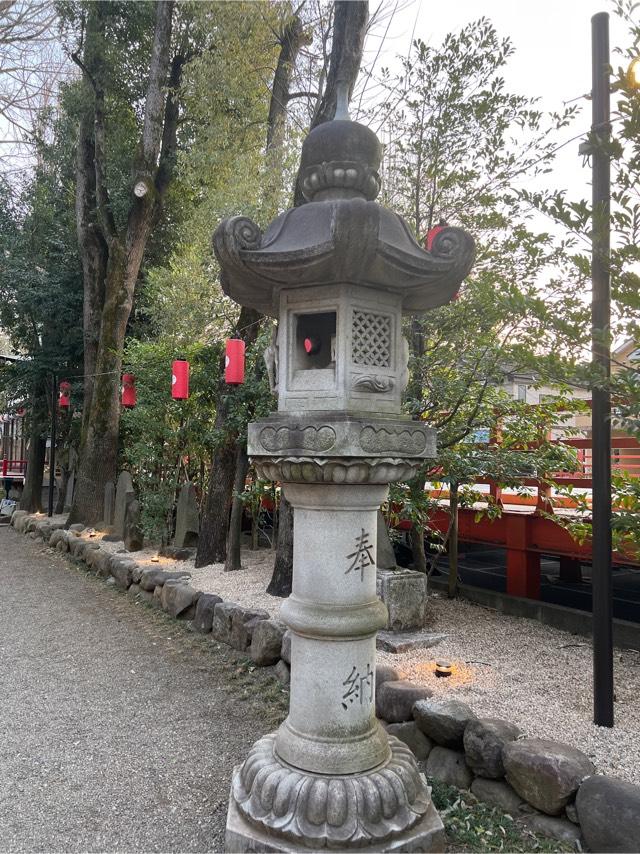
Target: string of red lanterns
[(234, 368)]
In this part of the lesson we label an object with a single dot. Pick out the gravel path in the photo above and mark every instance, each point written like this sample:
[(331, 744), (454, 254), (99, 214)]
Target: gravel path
[(118, 728), (536, 676)]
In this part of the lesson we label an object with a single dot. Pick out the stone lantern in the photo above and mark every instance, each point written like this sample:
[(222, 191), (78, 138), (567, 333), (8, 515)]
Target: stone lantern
[(338, 273)]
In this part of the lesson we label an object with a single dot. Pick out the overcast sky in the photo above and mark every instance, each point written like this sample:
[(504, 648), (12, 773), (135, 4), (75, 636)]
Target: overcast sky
[(552, 59)]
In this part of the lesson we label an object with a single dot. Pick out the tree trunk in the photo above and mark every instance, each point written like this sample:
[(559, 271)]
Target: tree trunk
[(31, 500), (93, 255), (417, 548), (281, 580), (62, 491), (212, 542), (453, 541), (234, 543), (99, 447)]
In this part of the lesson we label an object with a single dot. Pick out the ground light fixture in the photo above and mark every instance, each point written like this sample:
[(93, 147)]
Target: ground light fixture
[(443, 669)]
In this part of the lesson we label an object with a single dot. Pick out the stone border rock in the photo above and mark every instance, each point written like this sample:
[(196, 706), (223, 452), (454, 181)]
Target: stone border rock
[(548, 786)]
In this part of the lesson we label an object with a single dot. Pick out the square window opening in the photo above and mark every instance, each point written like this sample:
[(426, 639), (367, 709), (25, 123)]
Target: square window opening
[(315, 341)]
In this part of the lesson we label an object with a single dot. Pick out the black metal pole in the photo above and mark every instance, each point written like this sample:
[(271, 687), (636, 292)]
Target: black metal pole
[(601, 582), (52, 455)]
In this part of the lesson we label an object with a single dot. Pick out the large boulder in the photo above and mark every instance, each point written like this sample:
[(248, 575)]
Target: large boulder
[(282, 672), (179, 600), (483, 741), (386, 673), (448, 766), (395, 700), (221, 624), (203, 617), (76, 546), (152, 578), (102, 563), (444, 721), (16, 516), (243, 622), (415, 740), (121, 570), (266, 642), (545, 773), (56, 537), (609, 814), (90, 556), (497, 793)]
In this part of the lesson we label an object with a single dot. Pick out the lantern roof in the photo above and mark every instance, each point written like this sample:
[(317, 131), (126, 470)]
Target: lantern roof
[(341, 235)]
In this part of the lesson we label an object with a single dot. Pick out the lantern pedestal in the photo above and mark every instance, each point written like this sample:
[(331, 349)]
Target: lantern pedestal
[(331, 776), (242, 836)]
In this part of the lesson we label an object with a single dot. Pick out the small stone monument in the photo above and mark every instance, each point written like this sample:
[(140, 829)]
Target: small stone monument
[(124, 494), (187, 518), (133, 534), (338, 273), (109, 502)]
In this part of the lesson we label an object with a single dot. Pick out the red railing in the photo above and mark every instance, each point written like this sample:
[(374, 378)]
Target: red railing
[(625, 458), (13, 468)]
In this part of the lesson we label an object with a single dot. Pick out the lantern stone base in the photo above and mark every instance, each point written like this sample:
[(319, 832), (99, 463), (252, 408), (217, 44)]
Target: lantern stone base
[(241, 836), (275, 806)]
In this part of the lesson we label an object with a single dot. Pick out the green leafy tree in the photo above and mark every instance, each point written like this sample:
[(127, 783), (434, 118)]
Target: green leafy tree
[(41, 300), (459, 145)]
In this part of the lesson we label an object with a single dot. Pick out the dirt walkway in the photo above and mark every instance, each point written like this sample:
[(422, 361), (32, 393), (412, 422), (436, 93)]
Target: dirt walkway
[(118, 728)]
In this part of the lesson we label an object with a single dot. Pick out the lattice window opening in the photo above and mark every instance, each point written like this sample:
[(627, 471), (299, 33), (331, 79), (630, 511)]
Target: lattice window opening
[(371, 339)]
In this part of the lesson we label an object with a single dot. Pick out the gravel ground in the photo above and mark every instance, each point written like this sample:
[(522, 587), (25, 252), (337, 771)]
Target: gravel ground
[(536, 676), (118, 728)]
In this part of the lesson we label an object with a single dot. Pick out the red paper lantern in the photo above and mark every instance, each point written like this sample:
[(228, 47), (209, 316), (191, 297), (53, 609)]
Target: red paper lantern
[(64, 395), (234, 362), (128, 391), (180, 379)]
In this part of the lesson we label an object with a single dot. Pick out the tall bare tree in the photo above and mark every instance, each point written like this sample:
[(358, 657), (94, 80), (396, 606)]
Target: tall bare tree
[(31, 64)]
